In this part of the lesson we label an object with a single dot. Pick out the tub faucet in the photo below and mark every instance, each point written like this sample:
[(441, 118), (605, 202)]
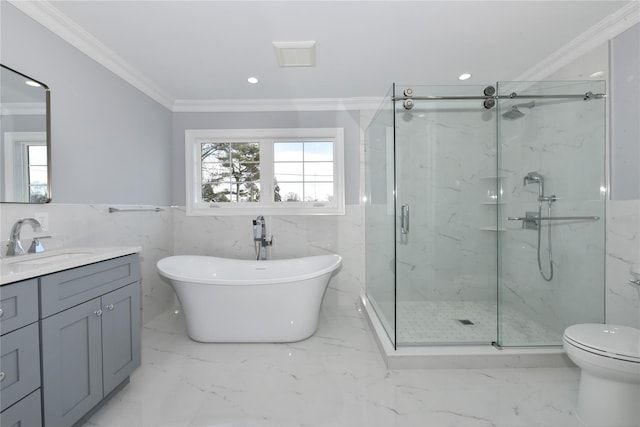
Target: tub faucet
[(260, 237), (15, 247)]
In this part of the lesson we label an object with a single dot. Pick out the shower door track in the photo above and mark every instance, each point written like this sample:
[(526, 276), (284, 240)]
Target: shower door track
[(586, 96)]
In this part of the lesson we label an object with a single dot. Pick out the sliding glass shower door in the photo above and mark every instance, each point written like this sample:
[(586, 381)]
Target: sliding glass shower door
[(485, 212), (552, 166), (445, 169)]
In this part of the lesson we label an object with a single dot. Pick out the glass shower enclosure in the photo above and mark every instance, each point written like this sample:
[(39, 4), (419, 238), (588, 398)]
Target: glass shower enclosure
[(485, 212)]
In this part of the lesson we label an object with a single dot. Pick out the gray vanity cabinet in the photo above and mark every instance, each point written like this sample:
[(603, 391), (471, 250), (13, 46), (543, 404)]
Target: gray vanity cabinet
[(19, 355), (91, 348)]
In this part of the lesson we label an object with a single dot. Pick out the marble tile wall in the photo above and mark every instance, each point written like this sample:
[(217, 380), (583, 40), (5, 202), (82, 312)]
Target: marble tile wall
[(623, 250), (93, 225), (293, 236), (171, 231)]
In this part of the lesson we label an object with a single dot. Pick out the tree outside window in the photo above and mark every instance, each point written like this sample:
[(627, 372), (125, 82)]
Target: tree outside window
[(230, 172)]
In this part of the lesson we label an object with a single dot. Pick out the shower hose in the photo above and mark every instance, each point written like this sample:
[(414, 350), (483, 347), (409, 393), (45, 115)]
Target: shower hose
[(545, 277)]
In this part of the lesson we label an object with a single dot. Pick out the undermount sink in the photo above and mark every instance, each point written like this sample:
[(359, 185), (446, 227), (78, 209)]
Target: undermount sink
[(49, 259)]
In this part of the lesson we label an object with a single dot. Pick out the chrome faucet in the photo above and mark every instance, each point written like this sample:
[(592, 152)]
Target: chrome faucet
[(260, 237), (15, 247), (535, 177)]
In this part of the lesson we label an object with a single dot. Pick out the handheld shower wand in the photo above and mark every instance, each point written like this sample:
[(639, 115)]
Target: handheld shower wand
[(535, 177)]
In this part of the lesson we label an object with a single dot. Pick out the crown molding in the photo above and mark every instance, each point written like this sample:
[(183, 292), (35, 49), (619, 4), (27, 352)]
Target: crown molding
[(600, 33), (257, 105), (43, 12)]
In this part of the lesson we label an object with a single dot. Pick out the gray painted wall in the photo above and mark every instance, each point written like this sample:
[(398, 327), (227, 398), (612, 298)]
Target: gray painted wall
[(625, 113), (349, 120), (110, 142)]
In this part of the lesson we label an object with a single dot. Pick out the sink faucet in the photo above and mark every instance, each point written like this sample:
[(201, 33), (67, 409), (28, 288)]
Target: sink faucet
[(260, 237), (15, 247)]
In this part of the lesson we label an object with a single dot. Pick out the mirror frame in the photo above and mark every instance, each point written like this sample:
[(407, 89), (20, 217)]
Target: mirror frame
[(47, 91)]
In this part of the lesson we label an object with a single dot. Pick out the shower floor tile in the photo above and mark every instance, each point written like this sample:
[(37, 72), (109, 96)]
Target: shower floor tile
[(457, 322)]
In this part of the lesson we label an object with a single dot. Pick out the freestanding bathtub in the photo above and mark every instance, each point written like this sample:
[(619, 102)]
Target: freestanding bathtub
[(231, 300)]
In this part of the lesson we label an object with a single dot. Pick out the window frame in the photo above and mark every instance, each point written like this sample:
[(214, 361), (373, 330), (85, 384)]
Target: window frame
[(265, 137), (17, 164)]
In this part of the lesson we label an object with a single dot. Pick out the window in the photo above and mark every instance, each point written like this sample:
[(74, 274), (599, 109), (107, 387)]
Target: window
[(264, 171), (25, 167)]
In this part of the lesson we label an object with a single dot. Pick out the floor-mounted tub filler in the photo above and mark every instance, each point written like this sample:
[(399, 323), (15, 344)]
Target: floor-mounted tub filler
[(231, 300)]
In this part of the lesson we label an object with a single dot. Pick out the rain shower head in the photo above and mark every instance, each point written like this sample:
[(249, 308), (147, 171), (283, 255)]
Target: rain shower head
[(515, 113)]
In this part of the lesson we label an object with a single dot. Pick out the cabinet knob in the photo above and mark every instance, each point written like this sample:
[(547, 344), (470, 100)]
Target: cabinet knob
[(2, 375), (98, 312), (109, 307)]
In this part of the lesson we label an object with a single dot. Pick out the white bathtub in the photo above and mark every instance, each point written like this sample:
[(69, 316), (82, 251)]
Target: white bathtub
[(230, 300)]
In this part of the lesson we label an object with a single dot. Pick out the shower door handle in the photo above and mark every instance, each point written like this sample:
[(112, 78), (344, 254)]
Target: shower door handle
[(404, 219)]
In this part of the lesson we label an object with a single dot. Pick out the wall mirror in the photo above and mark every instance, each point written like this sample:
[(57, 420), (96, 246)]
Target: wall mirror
[(25, 139)]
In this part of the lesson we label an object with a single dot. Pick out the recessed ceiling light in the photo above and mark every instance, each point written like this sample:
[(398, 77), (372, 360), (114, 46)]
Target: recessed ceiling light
[(464, 76), (252, 80), (597, 74), (32, 83)]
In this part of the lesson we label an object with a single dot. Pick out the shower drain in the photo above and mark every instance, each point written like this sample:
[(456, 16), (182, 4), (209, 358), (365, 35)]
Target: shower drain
[(466, 322)]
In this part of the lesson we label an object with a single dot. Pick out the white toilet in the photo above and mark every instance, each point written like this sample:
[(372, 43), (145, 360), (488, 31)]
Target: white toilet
[(609, 356)]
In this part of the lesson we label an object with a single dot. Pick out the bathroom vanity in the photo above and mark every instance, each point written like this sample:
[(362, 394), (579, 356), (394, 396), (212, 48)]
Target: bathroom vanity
[(70, 333)]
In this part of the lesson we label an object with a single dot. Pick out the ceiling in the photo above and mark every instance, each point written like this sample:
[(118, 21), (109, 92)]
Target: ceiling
[(205, 50)]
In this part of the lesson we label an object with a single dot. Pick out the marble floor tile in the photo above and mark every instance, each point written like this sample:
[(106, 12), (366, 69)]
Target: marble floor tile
[(336, 378)]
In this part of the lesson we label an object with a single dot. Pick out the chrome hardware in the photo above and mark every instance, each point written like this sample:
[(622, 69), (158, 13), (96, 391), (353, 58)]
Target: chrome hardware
[(408, 92), (404, 219), (260, 240), (552, 218), (535, 177), (1, 313), (489, 103), (15, 247), (98, 312), (408, 104), (489, 90), (112, 210), (109, 307), (531, 221), (36, 246), (2, 375), (634, 282)]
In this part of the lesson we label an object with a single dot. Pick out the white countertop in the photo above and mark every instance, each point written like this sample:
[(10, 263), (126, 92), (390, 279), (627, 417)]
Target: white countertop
[(22, 267)]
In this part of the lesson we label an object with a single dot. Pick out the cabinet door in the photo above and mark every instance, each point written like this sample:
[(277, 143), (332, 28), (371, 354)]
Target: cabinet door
[(19, 364), (72, 363), (25, 413), (120, 335)]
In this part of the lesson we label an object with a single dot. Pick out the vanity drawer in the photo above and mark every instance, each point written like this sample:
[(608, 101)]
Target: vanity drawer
[(18, 305), (68, 288), (19, 364), (26, 413)]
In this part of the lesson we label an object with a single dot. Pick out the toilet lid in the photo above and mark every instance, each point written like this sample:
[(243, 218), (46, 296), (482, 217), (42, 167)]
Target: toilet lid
[(613, 340)]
